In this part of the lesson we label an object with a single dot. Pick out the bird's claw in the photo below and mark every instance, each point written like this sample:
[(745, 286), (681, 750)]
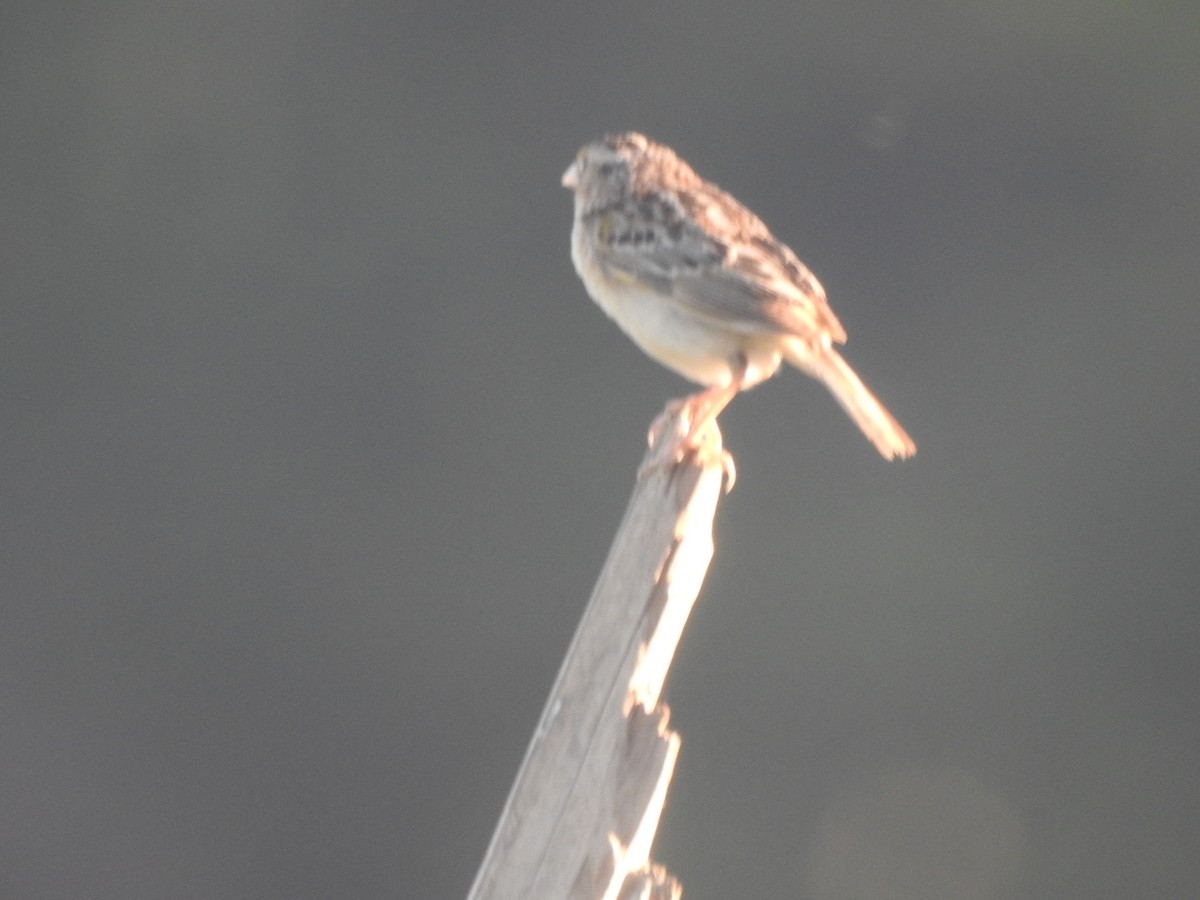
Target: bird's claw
[(673, 438)]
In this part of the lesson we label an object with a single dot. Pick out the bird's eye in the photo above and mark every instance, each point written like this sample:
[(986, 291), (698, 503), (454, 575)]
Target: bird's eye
[(607, 168)]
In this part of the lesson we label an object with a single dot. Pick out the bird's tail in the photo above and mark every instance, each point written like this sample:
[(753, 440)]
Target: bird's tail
[(827, 365)]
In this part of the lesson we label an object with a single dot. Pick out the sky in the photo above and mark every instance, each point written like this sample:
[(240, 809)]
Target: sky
[(314, 443)]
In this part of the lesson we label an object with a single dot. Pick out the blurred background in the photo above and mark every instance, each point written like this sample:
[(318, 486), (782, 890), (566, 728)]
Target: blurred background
[(313, 443)]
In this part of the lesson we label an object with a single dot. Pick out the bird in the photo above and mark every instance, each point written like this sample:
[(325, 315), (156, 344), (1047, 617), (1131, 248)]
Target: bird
[(701, 285)]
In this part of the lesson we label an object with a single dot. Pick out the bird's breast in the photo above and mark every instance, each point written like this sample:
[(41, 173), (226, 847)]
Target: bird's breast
[(668, 332)]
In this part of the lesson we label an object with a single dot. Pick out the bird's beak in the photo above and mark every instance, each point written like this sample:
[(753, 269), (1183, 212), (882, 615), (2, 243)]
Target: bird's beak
[(571, 177)]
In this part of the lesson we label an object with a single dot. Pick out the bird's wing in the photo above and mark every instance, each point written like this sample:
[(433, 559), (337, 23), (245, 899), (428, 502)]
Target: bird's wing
[(744, 280)]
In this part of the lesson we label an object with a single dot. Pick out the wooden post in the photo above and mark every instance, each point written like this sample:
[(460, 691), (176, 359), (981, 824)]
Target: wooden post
[(584, 809)]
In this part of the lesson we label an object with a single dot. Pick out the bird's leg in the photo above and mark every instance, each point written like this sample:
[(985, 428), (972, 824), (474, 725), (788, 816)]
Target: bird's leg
[(704, 407), (691, 416)]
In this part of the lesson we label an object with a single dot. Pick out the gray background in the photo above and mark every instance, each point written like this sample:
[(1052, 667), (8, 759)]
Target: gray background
[(313, 443)]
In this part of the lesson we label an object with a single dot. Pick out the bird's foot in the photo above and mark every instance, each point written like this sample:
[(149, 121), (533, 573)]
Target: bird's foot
[(683, 430)]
